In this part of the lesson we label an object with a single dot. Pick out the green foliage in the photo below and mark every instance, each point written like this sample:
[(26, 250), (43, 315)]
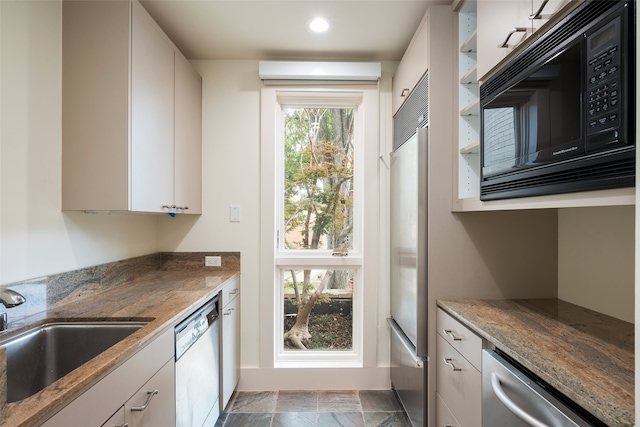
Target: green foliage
[(318, 176)]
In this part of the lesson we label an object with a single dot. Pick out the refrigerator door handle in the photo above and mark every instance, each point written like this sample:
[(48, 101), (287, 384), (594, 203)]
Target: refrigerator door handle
[(419, 361)]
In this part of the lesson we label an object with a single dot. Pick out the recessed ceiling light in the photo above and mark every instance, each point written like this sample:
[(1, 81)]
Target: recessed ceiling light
[(319, 25)]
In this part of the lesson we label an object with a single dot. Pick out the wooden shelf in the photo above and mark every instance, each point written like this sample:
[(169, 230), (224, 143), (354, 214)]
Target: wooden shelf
[(470, 77), (471, 43), (473, 148), (472, 109)]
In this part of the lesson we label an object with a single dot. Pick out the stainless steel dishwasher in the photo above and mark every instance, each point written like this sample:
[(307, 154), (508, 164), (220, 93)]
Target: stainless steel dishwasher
[(197, 374), (512, 397)]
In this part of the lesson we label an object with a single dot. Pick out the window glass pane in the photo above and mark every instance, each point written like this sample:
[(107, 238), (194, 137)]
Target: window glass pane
[(318, 309), (318, 178)]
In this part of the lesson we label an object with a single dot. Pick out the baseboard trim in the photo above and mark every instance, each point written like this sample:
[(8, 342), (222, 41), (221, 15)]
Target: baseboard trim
[(271, 379)]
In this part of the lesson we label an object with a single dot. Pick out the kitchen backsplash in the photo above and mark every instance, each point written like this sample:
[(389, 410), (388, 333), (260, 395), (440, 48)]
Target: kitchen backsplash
[(62, 288)]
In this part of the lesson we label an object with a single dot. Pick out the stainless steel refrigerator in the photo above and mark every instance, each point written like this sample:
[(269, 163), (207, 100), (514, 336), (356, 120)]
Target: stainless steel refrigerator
[(409, 275)]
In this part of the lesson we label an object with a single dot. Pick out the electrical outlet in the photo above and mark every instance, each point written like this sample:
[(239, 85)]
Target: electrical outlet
[(212, 261)]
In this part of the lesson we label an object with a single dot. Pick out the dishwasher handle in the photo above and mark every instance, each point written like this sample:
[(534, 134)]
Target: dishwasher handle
[(511, 405)]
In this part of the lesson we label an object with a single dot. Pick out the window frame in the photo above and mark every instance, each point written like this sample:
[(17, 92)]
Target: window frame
[(365, 253)]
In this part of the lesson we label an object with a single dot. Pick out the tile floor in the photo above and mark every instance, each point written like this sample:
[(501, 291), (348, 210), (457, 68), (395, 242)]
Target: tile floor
[(379, 408)]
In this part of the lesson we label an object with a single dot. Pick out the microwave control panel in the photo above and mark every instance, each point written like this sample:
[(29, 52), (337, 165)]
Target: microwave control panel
[(604, 79)]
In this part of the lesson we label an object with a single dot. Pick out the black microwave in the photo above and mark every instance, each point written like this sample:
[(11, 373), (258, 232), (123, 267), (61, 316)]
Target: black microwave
[(560, 117)]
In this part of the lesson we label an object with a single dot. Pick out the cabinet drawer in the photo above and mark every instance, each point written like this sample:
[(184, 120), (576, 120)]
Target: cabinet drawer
[(229, 292), (461, 338), (444, 417), (459, 384)]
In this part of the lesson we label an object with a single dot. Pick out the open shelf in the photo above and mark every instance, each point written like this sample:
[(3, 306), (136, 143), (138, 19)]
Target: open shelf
[(470, 77), (472, 109), (473, 148), (471, 43)]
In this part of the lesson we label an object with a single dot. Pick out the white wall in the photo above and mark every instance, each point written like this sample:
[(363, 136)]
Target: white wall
[(230, 174), (36, 238), (596, 259)]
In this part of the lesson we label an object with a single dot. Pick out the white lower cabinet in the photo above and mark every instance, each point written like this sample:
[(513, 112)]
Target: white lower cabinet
[(444, 417), (117, 420), (126, 388), (459, 380), (230, 341), (154, 404)]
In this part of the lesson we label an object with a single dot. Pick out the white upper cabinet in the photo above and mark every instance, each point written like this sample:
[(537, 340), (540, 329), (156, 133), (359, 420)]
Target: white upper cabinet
[(152, 90), (131, 120), (188, 138), (504, 25), (411, 68)]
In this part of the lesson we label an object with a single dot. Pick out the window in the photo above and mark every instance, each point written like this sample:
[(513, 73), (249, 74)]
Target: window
[(315, 157)]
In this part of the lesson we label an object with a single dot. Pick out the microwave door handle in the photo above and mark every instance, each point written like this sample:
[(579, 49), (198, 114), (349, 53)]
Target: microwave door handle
[(538, 13), (510, 404), (505, 43)]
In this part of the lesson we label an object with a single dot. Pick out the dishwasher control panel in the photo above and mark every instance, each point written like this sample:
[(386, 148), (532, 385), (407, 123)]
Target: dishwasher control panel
[(193, 327)]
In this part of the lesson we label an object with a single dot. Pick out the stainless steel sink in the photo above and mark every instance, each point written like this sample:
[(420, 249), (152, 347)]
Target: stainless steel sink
[(41, 355)]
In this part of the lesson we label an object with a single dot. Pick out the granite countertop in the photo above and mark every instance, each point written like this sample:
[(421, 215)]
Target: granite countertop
[(588, 356), (160, 297)]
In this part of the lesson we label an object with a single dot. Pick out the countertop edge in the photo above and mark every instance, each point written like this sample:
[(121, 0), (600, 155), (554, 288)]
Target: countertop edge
[(38, 408), (613, 414)]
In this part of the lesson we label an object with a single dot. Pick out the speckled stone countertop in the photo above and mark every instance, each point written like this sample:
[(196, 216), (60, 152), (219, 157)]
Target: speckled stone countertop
[(161, 297), (588, 356)]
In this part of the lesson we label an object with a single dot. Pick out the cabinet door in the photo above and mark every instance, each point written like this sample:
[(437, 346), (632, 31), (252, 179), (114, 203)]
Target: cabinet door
[(411, 68), (459, 384), (496, 19), (154, 404), (545, 11), (444, 417), (117, 420), (188, 138), (230, 362), (152, 103)]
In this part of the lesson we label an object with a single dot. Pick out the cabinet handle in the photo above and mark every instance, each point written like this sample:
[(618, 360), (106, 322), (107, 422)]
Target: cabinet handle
[(150, 395), (404, 92), (233, 292), (449, 362), (538, 13), (182, 208), (228, 312), (450, 333), (168, 206), (123, 425), (505, 43)]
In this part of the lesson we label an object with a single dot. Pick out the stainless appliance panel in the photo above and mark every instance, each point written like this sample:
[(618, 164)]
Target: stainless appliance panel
[(409, 239), (196, 369), (511, 398), (408, 375)]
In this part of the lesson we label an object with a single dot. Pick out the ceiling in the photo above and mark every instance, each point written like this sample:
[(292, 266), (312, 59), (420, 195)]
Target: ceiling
[(363, 30)]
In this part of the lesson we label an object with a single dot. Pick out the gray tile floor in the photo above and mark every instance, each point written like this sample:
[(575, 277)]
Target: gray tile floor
[(379, 408)]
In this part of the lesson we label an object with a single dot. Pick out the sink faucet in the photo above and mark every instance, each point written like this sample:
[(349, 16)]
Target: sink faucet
[(10, 299)]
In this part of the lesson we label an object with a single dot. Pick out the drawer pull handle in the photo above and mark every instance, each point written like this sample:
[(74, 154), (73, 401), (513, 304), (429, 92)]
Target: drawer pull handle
[(450, 333), (448, 362), (233, 292), (150, 395), (228, 312)]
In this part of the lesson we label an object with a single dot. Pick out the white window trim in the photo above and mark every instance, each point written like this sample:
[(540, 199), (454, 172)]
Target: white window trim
[(364, 258)]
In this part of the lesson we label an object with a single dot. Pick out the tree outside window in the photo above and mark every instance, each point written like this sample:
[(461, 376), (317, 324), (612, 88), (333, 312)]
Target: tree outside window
[(318, 216)]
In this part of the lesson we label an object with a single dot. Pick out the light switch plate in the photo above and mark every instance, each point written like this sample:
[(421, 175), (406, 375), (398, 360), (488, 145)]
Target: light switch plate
[(234, 213)]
